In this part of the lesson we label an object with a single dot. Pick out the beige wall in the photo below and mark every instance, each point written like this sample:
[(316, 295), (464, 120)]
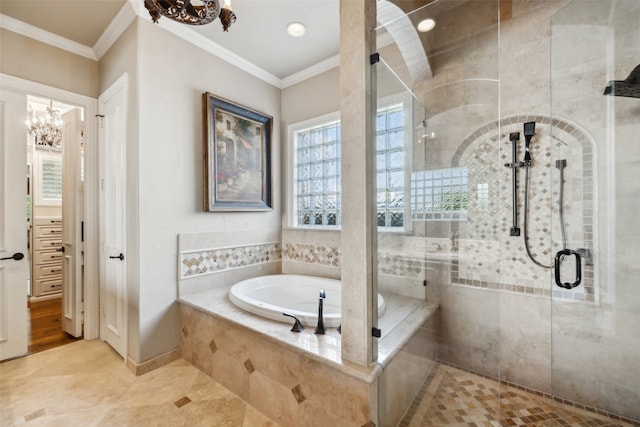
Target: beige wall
[(39, 62), (170, 169), (306, 100)]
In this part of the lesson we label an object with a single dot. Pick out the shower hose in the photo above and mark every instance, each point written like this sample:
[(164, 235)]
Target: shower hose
[(526, 215)]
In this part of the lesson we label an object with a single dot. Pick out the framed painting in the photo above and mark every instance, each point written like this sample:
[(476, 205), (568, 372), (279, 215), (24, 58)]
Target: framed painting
[(237, 157)]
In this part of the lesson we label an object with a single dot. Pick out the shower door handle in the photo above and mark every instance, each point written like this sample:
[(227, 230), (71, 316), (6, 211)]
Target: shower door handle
[(558, 262)]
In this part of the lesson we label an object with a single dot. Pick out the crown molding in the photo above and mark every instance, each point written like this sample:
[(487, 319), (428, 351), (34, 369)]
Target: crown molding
[(129, 11), (117, 26), (197, 39), (43, 36), (311, 71)]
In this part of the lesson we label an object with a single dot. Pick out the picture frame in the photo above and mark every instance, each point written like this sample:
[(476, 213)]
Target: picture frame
[(237, 157)]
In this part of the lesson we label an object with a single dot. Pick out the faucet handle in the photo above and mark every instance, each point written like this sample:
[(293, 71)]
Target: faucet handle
[(297, 327), (322, 294)]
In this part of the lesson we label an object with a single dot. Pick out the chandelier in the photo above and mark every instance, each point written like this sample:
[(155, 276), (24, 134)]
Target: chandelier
[(192, 12), (46, 129)]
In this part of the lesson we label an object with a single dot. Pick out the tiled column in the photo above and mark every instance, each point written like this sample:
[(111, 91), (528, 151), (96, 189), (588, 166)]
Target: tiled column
[(357, 20)]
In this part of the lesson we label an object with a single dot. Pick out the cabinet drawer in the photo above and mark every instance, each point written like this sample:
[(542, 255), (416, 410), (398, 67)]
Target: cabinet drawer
[(48, 231), (48, 271), (49, 256), (46, 244), (48, 220), (44, 287)]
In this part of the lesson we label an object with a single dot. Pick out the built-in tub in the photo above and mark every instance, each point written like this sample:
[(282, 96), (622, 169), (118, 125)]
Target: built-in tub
[(270, 296)]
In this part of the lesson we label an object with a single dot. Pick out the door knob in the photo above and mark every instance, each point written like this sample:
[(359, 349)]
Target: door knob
[(120, 257), (61, 249), (17, 256)]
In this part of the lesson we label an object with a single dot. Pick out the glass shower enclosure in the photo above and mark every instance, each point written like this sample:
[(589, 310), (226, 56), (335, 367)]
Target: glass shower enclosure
[(507, 188)]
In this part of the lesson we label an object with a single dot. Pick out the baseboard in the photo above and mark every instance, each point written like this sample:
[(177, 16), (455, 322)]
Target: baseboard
[(46, 297), (155, 363)]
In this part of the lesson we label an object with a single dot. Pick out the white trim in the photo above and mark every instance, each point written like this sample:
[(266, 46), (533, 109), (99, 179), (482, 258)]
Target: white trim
[(43, 36), (116, 27), (312, 71), (91, 318)]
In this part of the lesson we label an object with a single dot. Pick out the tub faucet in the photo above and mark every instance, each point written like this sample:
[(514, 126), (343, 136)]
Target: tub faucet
[(320, 329), (297, 326)]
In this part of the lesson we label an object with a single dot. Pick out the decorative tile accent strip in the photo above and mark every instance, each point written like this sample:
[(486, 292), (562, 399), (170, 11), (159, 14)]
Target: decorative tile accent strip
[(181, 402), (312, 254), (199, 263), (32, 416), (298, 394), (249, 366)]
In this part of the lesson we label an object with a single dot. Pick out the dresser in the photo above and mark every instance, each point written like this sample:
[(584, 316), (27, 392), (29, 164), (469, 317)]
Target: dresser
[(47, 257)]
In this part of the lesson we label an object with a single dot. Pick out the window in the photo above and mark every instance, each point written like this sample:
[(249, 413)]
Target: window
[(317, 170), (390, 160), (49, 179), (316, 157), (439, 194)]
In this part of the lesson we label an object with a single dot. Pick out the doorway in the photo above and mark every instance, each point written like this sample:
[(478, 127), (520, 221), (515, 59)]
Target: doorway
[(15, 273), (55, 201)]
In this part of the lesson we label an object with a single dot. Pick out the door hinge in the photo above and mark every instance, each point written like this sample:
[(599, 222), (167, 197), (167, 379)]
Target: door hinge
[(376, 332), (101, 116), (424, 283)]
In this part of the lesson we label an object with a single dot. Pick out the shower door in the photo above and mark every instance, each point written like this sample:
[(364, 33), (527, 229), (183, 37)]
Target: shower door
[(595, 344)]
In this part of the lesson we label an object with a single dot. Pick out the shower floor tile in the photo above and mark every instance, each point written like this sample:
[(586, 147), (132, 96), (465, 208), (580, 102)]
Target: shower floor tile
[(453, 397)]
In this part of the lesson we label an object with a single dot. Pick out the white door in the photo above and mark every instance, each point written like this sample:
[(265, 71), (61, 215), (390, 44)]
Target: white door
[(13, 225), (112, 186), (72, 210)]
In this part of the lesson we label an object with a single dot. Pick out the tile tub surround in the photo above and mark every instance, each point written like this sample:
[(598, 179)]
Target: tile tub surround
[(291, 377)]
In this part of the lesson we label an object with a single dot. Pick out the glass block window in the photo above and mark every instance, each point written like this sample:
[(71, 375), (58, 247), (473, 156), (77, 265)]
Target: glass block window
[(390, 160), (317, 170), (439, 194)]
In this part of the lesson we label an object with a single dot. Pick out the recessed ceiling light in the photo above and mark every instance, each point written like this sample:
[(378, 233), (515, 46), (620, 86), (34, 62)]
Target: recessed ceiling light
[(296, 29), (426, 25)]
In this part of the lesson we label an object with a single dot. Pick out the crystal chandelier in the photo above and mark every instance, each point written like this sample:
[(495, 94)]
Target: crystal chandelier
[(46, 129), (192, 12)]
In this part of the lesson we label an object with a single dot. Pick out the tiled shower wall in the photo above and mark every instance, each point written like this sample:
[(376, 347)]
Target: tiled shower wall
[(487, 256)]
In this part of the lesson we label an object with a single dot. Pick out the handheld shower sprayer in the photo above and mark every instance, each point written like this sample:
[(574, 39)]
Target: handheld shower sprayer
[(529, 131)]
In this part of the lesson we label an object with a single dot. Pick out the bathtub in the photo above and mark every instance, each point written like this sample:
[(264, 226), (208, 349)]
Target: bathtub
[(270, 296)]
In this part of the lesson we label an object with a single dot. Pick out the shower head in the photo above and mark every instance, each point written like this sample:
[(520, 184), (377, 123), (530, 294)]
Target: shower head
[(629, 87)]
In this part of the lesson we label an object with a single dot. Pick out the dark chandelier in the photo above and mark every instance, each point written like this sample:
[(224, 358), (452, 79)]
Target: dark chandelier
[(185, 12)]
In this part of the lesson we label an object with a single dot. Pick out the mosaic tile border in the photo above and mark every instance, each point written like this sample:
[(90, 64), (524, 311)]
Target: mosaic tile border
[(567, 402), (312, 254), (209, 261), (587, 292)]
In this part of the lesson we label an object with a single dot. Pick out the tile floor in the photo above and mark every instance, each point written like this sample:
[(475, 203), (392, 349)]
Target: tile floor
[(86, 384), (453, 397)]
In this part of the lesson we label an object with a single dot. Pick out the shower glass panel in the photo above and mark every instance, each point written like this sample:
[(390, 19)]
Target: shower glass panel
[(595, 342), (439, 268)]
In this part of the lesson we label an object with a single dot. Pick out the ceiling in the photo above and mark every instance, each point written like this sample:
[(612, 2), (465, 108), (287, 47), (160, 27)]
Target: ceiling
[(258, 36)]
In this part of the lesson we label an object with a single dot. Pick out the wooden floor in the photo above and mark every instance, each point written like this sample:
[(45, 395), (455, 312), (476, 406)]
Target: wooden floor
[(45, 326)]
